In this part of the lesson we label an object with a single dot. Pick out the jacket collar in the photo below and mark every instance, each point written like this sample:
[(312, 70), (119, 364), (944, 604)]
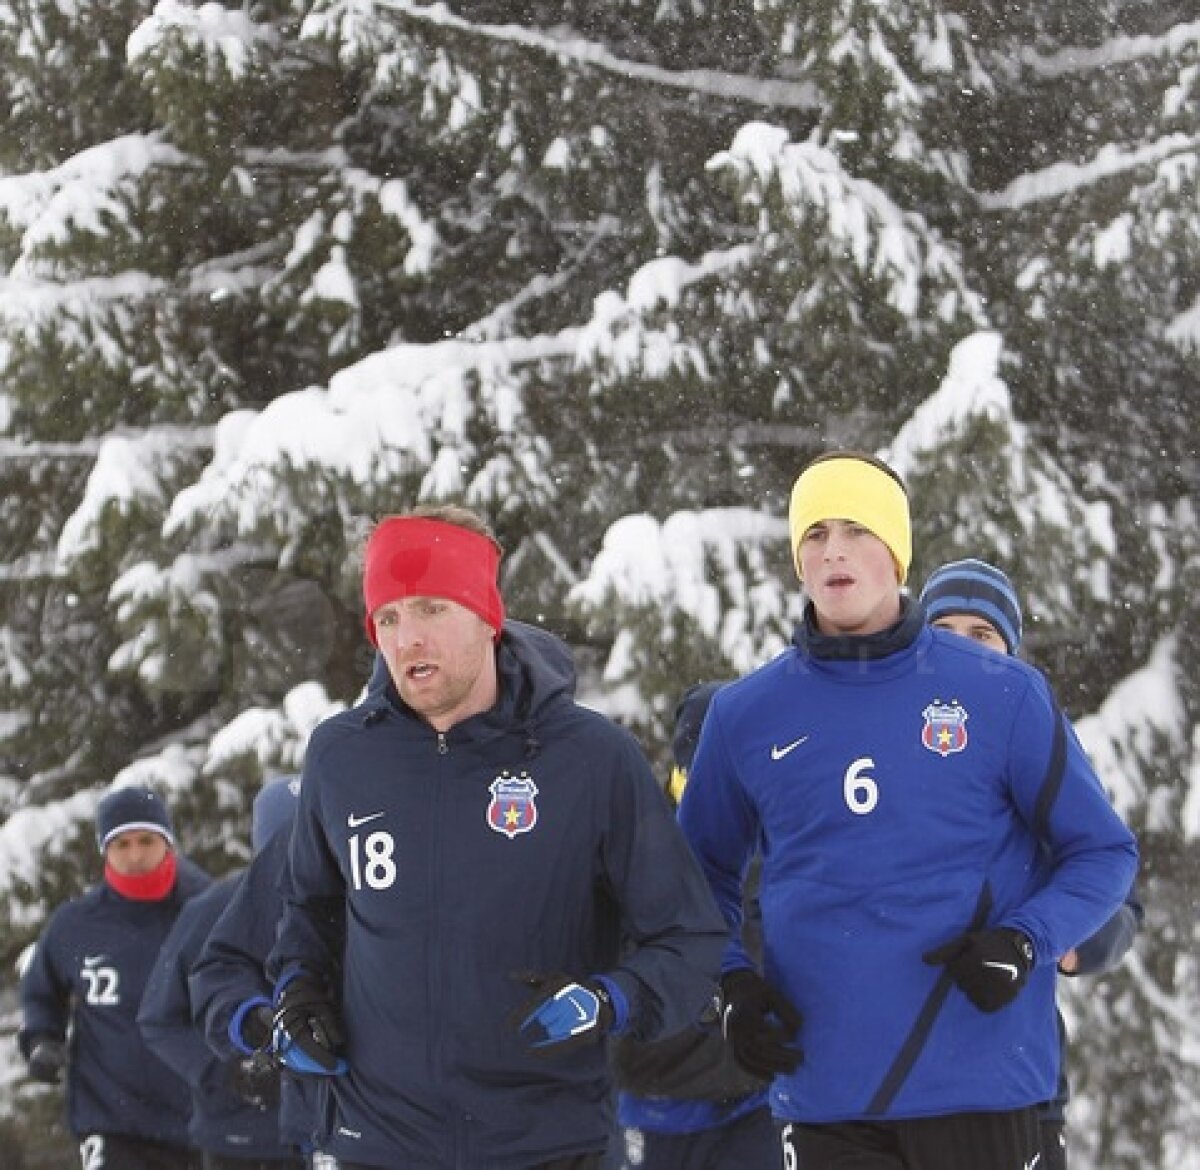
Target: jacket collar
[(859, 648)]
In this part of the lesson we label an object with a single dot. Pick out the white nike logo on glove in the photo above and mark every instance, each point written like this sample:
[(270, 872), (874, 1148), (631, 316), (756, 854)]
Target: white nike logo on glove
[(777, 753), (1013, 973)]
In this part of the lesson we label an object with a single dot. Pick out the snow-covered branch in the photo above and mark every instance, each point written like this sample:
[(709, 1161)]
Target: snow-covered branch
[(759, 91)]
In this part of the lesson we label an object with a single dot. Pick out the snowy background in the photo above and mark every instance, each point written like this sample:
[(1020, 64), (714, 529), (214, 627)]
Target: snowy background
[(610, 274)]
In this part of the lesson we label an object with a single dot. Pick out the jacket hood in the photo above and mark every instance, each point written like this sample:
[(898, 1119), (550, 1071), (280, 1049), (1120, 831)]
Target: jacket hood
[(379, 683), (536, 669)]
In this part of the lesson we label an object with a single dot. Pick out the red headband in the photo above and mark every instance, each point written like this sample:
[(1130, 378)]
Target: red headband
[(411, 556)]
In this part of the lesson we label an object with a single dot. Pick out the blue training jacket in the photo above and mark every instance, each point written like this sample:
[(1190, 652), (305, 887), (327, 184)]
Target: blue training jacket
[(901, 801), (530, 837), (222, 1122), (89, 969)]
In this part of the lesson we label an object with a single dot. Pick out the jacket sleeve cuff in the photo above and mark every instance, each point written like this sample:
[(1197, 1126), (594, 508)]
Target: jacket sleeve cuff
[(1107, 947), (238, 1018), (620, 1004)]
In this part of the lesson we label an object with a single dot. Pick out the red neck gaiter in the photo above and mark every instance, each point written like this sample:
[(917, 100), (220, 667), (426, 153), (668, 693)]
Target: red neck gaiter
[(144, 887)]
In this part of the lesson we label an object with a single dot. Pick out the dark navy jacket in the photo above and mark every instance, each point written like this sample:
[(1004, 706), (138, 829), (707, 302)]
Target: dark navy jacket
[(229, 975), (222, 1122), (89, 968), (1100, 953), (690, 1081), (530, 837), (229, 969)]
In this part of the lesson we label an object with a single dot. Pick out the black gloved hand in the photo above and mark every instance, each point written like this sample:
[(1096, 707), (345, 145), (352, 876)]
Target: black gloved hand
[(989, 966), (563, 1014), (255, 1079), (760, 1025), (47, 1059), (307, 1029)]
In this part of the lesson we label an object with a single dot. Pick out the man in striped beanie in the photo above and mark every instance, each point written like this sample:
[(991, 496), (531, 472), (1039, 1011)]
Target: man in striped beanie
[(977, 600)]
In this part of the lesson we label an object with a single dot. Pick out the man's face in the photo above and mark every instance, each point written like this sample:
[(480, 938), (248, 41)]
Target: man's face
[(136, 852), (978, 629), (441, 657), (851, 578)]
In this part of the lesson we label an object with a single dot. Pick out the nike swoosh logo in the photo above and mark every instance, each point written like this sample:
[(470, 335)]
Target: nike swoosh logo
[(777, 752), (354, 822), (1009, 967)]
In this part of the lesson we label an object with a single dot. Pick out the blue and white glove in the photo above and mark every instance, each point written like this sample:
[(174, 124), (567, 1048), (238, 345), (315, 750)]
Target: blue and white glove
[(566, 1014), (306, 1034)]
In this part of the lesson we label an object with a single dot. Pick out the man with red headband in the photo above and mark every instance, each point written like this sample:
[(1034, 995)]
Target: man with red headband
[(485, 882), (126, 1108)]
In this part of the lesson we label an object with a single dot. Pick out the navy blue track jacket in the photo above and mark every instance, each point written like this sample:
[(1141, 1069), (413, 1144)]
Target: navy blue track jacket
[(89, 968), (222, 1122), (229, 974), (689, 1082), (1098, 954), (530, 837)]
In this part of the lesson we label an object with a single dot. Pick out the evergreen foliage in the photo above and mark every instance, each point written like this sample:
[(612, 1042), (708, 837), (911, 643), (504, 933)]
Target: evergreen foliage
[(610, 273)]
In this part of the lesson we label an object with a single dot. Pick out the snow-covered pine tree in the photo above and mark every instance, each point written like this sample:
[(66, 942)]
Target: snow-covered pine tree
[(1095, 234), (611, 273)]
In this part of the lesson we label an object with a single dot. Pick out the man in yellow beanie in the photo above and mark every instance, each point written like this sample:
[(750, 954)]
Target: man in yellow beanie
[(851, 513), (933, 841)]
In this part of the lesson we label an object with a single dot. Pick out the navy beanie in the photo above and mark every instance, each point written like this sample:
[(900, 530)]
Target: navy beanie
[(274, 807), (125, 810), (976, 588)]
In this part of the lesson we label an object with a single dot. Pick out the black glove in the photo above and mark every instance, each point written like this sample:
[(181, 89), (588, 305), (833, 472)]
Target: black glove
[(47, 1059), (989, 966), (564, 1014), (307, 1029), (760, 1025), (255, 1079)]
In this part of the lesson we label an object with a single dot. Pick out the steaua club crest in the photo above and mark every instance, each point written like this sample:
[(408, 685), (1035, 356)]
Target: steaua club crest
[(945, 730), (512, 810)]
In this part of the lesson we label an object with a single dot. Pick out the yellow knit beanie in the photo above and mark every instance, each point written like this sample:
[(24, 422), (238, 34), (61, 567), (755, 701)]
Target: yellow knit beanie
[(850, 486)]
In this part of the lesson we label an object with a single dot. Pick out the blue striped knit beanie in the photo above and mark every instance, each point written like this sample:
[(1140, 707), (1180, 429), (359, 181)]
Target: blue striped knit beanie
[(977, 588)]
